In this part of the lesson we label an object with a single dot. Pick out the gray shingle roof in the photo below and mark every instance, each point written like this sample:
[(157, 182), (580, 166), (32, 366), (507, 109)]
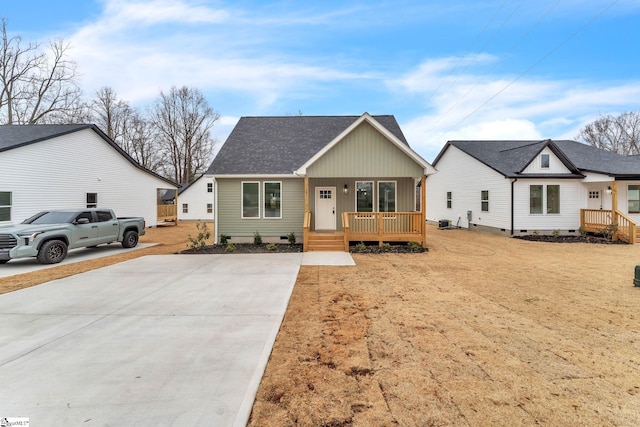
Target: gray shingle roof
[(510, 157), (280, 145), (13, 136)]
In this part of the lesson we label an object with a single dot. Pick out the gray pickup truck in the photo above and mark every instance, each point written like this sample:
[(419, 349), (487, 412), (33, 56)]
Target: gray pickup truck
[(48, 235)]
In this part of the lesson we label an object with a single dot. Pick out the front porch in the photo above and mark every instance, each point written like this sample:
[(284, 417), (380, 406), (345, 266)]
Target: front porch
[(374, 226)]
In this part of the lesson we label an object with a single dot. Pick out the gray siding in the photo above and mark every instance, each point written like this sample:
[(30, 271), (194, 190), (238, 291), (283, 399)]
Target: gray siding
[(365, 152), (230, 221)]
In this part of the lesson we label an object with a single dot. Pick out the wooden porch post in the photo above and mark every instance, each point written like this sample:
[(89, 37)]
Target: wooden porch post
[(614, 209), (306, 194), (423, 208)]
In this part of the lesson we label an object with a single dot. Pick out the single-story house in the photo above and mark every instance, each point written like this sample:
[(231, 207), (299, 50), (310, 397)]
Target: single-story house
[(196, 200), (526, 187), (327, 180), (74, 166)]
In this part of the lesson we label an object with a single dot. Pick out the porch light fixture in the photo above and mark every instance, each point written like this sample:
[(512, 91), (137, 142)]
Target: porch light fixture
[(609, 190), (345, 190)]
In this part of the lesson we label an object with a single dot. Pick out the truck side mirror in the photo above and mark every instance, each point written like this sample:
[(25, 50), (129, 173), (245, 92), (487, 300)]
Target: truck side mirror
[(81, 221)]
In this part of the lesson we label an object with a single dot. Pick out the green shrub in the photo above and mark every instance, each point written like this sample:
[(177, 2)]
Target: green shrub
[(257, 238), (385, 246), (361, 247), (582, 232), (224, 239), (292, 238), (414, 246), (200, 241), (556, 233), (230, 248), (272, 247)]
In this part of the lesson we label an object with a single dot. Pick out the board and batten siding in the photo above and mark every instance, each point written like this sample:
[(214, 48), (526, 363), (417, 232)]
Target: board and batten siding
[(58, 173), (365, 152), (197, 198), (466, 177), (231, 223), (405, 194), (573, 195), (555, 165)]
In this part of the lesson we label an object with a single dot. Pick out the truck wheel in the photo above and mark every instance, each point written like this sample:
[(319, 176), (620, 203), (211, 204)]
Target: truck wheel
[(52, 252), (130, 239)]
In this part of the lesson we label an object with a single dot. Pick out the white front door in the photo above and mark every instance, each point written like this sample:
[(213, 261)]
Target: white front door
[(325, 208)]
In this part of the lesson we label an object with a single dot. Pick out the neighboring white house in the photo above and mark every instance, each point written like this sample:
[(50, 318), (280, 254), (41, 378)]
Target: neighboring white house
[(196, 201), (72, 166), (521, 187)]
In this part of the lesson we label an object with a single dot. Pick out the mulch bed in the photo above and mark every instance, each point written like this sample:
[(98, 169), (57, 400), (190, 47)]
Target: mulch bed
[(246, 248), (570, 239)]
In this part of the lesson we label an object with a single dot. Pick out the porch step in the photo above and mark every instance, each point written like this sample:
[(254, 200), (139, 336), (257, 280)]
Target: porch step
[(326, 242)]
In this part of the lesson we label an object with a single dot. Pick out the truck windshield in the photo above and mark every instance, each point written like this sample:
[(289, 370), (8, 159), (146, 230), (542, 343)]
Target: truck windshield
[(50, 218)]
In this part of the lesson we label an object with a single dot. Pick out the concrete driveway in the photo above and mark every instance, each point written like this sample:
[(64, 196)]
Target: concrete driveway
[(161, 340)]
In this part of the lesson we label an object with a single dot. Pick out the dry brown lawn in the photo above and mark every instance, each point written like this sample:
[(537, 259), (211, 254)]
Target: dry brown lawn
[(481, 330)]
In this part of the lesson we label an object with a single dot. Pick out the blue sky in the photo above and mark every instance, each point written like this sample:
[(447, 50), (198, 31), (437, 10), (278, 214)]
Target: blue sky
[(472, 69)]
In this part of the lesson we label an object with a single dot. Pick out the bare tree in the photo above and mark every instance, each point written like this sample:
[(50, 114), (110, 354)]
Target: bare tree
[(126, 127), (620, 134), (183, 119), (36, 86)]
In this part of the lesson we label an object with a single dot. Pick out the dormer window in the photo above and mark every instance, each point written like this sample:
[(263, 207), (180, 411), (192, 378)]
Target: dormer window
[(544, 161)]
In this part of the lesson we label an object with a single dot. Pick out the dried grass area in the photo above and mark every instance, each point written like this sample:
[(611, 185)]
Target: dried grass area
[(168, 239), (481, 330)]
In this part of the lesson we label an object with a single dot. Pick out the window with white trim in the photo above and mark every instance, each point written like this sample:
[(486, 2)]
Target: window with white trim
[(185, 208), (449, 199), (250, 200), (92, 200), (209, 187), (553, 199), (364, 196), (484, 200), (633, 200), (386, 196), (544, 161), (535, 199), (272, 200), (5, 205), (209, 207)]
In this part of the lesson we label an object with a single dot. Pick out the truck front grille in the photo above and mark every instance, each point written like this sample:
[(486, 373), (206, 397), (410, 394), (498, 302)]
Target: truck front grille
[(7, 241)]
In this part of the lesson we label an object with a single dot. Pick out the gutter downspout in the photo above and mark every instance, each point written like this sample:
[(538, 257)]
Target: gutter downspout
[(512, 204)]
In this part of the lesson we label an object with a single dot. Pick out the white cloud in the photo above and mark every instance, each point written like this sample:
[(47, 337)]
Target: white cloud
[(474, 105)]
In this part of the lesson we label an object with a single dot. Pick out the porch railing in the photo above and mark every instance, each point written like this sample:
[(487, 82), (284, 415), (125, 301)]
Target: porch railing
[(167, 212), (608, 222), (383, 226)]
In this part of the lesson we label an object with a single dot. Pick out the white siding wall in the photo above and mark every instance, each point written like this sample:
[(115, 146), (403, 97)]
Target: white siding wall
[(57, 174), (197, 198), (555, 165), (466, 177), (573, 197)]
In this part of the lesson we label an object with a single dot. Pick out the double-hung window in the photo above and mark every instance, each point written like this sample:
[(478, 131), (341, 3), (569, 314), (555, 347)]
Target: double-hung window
[(553, 199), (92, 200), (185, 208), (5, 205), (209, 187), (484, 200), (448, 199), (386, 196), (633, 199)]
